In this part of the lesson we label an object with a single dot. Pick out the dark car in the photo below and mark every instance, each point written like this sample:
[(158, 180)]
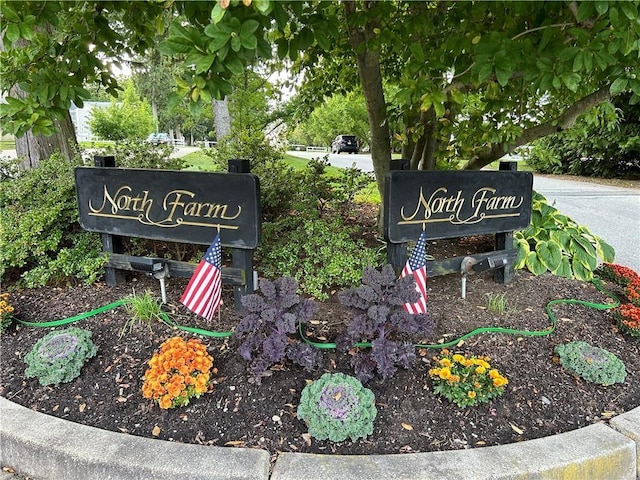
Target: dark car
[(345, 143)]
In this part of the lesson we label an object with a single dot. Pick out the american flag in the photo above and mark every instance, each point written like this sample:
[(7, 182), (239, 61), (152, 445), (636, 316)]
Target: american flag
[(416, 266), (203, 293)]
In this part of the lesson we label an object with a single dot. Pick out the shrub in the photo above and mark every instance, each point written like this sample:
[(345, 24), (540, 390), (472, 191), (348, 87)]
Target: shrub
[(337, 407), (273, 316), (320, 254), (466, 381), (40, 238), (59, 356), (142, 154), (6, 312), (594, 364), (555, 243), (378, 315), (279, 184), (179, 371)]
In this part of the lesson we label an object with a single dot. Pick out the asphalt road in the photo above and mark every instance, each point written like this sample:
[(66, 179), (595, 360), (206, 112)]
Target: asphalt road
[(612, 213)]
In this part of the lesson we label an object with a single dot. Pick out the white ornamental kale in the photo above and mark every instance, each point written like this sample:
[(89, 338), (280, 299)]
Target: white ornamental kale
[(272, 316), (58, 356), (337, 407), (377, 316)]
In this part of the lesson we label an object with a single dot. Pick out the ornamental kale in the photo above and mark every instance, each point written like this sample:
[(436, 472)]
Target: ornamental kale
[(337, 407), (58, 356), (272, 316), (594, 364), (378, 314)]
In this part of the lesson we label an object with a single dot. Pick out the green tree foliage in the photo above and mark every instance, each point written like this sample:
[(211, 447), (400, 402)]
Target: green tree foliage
[(340, 114), (475, 79), (605, 143), (129, 120)]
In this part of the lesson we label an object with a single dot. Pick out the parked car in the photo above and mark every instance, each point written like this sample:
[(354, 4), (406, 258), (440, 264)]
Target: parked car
[(345, 143), (158, 138)]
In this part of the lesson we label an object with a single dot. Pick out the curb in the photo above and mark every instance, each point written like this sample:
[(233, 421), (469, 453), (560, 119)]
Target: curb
[(49, 448)]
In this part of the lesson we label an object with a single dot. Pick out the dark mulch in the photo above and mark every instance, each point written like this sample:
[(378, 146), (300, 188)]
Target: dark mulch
[(541, 399)]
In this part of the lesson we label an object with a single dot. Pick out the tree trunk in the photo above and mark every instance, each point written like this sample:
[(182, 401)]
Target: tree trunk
[(222, 118), (34, 148), (371, 80)]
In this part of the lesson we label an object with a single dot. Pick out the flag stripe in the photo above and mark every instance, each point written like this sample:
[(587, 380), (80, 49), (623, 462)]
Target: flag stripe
[(417, 268), (204, 290)]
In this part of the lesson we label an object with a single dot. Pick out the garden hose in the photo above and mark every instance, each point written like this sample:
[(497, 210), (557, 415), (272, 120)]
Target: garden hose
[(330, 345)]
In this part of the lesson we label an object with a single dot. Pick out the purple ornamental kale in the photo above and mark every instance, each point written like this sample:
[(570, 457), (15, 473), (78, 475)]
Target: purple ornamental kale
[(272, 316), (378, 315)]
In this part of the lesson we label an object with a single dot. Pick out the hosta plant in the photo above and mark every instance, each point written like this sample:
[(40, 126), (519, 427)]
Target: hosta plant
[(594, 364), (274, 315), (59, 356), (337, 407), (6, 312), (554, 243), (179, 371), (466, 381), (378, 318)]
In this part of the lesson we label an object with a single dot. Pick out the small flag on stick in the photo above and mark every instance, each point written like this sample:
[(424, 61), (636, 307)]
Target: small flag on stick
[(417, 266), (204, 291)]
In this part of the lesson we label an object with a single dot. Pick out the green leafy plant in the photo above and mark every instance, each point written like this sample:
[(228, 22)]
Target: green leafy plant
[(466, 381), (555, 243), (594, 364), (40, 239), (143, 308), (6, 312), (59, 356), (272, 316), (319, 253), (337, 407)]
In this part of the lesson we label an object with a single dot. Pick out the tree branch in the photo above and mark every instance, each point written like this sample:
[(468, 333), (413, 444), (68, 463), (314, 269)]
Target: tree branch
[(564, 121)]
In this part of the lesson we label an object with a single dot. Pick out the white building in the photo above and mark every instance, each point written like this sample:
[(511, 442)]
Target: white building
[(80, 118)]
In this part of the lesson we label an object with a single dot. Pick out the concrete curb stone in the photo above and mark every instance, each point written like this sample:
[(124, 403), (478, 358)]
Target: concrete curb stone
[(48, 448), (629, 424)]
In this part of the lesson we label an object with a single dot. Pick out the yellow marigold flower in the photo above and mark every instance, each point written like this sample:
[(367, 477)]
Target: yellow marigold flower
[(445, 362), (480, 370), (434, 372), (458, 358), (500, 381), (471, 394), (493, 373), (445, 373)]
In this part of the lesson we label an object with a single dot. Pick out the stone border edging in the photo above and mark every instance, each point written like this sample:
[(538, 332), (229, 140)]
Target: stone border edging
[(49, 448)]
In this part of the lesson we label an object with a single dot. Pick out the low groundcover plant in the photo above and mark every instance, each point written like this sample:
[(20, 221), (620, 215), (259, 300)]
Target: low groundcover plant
[(59, 356), (466, 381), (179, 371), (337, 407), (594, 364)]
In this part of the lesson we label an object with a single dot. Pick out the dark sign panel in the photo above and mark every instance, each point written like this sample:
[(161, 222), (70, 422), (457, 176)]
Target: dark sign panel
[(171, 205), (447, 204)]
